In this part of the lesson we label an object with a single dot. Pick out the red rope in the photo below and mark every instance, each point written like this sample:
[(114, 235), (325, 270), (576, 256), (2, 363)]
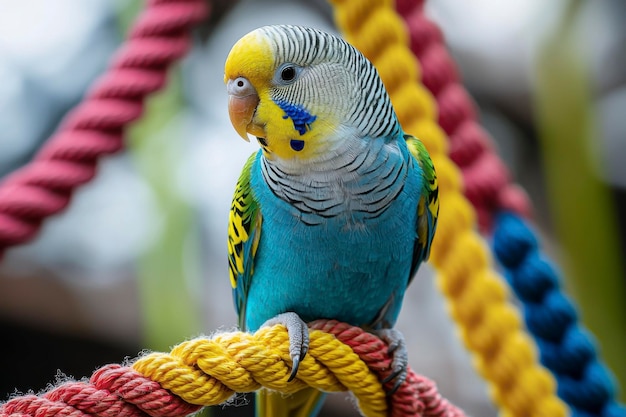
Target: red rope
[(487, 180), (120, 391), (95, 127), (112, 391)]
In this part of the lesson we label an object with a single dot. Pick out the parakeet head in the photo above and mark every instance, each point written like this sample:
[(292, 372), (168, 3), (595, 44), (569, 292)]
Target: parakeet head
[(302, 91)]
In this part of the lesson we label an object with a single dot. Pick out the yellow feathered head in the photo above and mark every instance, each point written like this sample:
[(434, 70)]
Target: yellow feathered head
[(300, 90)]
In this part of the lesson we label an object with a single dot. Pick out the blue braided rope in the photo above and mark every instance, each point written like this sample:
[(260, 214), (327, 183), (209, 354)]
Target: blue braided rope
[(566, 348)]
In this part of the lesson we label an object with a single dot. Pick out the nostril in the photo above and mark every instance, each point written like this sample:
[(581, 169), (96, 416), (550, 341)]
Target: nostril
[(242, 84), (240, 87)]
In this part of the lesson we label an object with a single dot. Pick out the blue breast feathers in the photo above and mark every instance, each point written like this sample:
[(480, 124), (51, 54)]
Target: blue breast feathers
[(301, 118)]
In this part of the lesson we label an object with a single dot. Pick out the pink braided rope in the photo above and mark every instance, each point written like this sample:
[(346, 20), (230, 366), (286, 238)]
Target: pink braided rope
[(487, 180), (95, 127)]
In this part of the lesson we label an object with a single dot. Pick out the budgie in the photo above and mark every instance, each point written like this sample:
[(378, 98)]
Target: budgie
[(333, 215)]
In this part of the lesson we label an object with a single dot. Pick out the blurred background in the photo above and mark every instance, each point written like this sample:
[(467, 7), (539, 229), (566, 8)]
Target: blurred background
[(139, 259)]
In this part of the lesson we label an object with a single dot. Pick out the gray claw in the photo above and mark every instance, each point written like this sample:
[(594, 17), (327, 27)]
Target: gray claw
[(294, 370), (400, 360), (298, 338)]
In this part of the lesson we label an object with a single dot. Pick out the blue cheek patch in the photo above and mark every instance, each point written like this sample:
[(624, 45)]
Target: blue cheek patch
[(301, 118), (296, 145)]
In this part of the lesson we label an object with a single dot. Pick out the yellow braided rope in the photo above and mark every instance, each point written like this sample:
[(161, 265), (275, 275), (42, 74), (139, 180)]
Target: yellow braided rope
[(477, 296), (207, 372)]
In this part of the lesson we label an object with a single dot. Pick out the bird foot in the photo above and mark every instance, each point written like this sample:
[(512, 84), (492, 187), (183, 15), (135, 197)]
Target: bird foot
[(298, 338), (400, 359)]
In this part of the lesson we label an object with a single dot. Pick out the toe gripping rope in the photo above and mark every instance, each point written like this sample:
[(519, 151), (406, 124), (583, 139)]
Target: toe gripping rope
[(566, 348), (160, 36), (203, 372)]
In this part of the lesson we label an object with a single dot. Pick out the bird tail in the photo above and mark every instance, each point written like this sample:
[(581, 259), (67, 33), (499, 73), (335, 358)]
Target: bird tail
[(304, 403)]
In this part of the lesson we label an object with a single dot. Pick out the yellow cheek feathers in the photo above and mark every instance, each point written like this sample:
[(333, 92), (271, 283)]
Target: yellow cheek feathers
[(292, 133)]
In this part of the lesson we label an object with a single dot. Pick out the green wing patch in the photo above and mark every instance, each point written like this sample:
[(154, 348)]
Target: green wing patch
[(244, 232), (428, 206)]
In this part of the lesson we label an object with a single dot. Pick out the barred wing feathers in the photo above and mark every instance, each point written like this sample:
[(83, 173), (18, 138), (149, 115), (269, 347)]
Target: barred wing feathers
[(244, 232)]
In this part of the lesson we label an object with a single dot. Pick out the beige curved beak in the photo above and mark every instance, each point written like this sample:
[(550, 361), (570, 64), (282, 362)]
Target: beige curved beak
[(242, 102), (241, 112)]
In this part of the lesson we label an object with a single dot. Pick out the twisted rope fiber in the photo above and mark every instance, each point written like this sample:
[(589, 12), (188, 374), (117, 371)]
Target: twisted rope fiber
[(566, 349), (417, 396), (203, 372), (95, 127), (487, 181), (476, 294)]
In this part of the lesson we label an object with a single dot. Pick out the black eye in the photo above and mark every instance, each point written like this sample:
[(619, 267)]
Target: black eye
[(288, 73)]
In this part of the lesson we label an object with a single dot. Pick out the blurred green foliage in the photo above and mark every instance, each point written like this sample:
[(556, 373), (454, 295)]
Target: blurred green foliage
[(582, 209)]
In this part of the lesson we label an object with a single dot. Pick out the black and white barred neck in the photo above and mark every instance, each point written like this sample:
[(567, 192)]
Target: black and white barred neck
[(359, 185), (368, 106)]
